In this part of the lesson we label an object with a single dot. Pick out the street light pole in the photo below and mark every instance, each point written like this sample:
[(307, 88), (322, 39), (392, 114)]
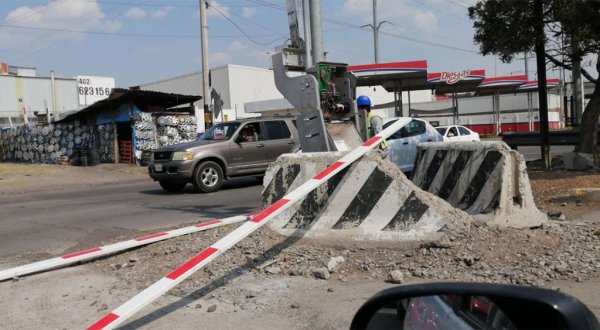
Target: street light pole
[(375, 26)]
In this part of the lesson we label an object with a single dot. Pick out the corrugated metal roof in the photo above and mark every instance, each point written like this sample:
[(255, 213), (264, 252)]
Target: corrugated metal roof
[(121, 95)]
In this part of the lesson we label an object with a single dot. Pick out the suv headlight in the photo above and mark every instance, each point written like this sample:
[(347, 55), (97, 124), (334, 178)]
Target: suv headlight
[(182, 155)]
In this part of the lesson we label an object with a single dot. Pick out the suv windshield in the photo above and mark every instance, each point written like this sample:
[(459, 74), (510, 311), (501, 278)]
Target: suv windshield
[(222, 131), (442, 130)]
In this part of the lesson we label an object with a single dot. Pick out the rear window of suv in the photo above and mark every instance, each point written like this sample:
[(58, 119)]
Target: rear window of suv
[(277, 130)]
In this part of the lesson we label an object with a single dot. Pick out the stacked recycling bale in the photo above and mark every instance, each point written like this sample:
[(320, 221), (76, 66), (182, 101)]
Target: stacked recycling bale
[(144, 131), (176, 129), (106, 146), (48, 144)]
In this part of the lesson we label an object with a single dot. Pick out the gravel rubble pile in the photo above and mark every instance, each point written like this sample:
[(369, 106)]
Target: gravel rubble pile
[(558, 250)]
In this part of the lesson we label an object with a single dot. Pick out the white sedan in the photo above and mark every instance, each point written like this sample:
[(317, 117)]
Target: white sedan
[(457, 133), (402, 145)]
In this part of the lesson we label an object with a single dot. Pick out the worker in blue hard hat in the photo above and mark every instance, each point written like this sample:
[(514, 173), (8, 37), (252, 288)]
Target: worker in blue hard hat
[(374, 122)]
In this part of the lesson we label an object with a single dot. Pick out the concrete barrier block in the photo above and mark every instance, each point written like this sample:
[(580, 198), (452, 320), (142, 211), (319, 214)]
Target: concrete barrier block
[(485, 179), (371, 200)]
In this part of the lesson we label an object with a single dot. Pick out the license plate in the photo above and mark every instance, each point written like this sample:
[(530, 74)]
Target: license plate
[(158, 167)]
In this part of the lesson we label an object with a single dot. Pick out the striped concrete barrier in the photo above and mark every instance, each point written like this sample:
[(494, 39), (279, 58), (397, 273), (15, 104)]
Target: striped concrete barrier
[(371, 200), (488, 180)]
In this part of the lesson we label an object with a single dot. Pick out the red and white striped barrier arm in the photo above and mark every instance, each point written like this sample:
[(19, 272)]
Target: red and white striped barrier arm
[(74, 257), (123, 312)]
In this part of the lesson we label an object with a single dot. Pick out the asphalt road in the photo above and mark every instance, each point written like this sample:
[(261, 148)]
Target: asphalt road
[(54, 221)]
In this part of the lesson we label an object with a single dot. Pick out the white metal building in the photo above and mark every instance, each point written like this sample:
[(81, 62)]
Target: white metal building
[(23, 93), (235, 84)]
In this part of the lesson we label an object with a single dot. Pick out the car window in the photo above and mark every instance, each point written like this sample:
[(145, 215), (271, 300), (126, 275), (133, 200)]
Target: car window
[(452, 131), (399, 134), (277, 130), (441, 130), (222, 131), (463, 131), (415, 127), (251, 132)]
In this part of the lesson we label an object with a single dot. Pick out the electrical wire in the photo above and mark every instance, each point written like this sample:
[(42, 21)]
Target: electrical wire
[(389, 34), (242, 30)]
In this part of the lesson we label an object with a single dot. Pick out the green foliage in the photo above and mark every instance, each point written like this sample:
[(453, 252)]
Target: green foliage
[(506, 27)]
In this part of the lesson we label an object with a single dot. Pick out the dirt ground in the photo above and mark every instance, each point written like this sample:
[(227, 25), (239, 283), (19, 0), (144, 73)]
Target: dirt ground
[(273, 276)]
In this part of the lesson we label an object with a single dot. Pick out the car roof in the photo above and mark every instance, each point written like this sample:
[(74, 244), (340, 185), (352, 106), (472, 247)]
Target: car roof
[(387, 120), (245, 120)]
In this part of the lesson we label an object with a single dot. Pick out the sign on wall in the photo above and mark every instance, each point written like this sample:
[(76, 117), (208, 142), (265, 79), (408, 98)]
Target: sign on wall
[(92, 89)]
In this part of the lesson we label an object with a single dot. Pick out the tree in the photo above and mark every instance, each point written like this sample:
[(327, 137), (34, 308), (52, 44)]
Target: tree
[(572, 31)]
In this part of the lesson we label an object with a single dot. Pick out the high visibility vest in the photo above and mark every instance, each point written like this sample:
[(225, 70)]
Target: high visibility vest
[(370, 133)]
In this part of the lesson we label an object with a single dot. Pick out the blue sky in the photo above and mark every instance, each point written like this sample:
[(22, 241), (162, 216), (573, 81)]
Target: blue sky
[(139, 41)]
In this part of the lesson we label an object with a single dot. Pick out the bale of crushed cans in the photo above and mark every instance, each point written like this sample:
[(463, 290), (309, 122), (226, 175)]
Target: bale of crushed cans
[(81, 144), (50, 144), (176, 129)]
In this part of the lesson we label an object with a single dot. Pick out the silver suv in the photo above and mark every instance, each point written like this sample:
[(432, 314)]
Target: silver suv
[(231, 149)]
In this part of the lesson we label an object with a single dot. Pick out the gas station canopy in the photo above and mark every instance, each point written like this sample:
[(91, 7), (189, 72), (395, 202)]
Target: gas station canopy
[(392, 76), (505, 84), (532, 85), (455, 82)]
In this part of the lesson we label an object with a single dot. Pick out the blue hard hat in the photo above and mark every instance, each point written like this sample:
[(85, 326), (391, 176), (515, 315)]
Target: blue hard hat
[(363, 101)]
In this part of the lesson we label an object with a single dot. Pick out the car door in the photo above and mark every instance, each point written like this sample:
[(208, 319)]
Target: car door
[(403, 144), (279, 139), (248, 149)]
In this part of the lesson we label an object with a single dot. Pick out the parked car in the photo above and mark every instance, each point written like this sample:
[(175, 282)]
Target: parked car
[(457, 133), (226, 150), (403, 144)]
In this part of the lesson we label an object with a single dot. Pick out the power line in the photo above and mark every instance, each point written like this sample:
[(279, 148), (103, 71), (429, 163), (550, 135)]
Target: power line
[(425, 4), (390, 34), (242, 30), (127, 34), (159, 4)]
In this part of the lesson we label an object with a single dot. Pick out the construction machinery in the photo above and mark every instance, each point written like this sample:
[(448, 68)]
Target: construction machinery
[(322, 94)]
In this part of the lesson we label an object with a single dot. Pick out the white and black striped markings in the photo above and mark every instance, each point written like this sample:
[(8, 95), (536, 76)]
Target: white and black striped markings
[(451, 186), (364, 201), (313, 204), (354, 206), (411, 211), (280, 183)]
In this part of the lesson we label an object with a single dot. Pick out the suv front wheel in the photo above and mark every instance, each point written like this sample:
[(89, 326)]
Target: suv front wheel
[(208, 177)]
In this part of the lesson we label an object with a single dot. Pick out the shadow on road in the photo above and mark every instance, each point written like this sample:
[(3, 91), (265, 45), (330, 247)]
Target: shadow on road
[(215, 284), (213, 211), (235, 183)]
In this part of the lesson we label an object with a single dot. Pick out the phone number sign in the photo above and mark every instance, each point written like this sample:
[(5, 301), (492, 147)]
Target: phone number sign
[(92, 89)]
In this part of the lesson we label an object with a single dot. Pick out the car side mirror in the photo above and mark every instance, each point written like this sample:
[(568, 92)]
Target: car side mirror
[(472, 306), (450, 134), (239, 139)]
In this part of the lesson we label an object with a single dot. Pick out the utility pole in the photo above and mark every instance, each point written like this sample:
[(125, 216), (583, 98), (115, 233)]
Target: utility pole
[(540, 49), (526, 65), (307, 37), (316, 30), (375, 26), (577, 90), (205, 69)]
